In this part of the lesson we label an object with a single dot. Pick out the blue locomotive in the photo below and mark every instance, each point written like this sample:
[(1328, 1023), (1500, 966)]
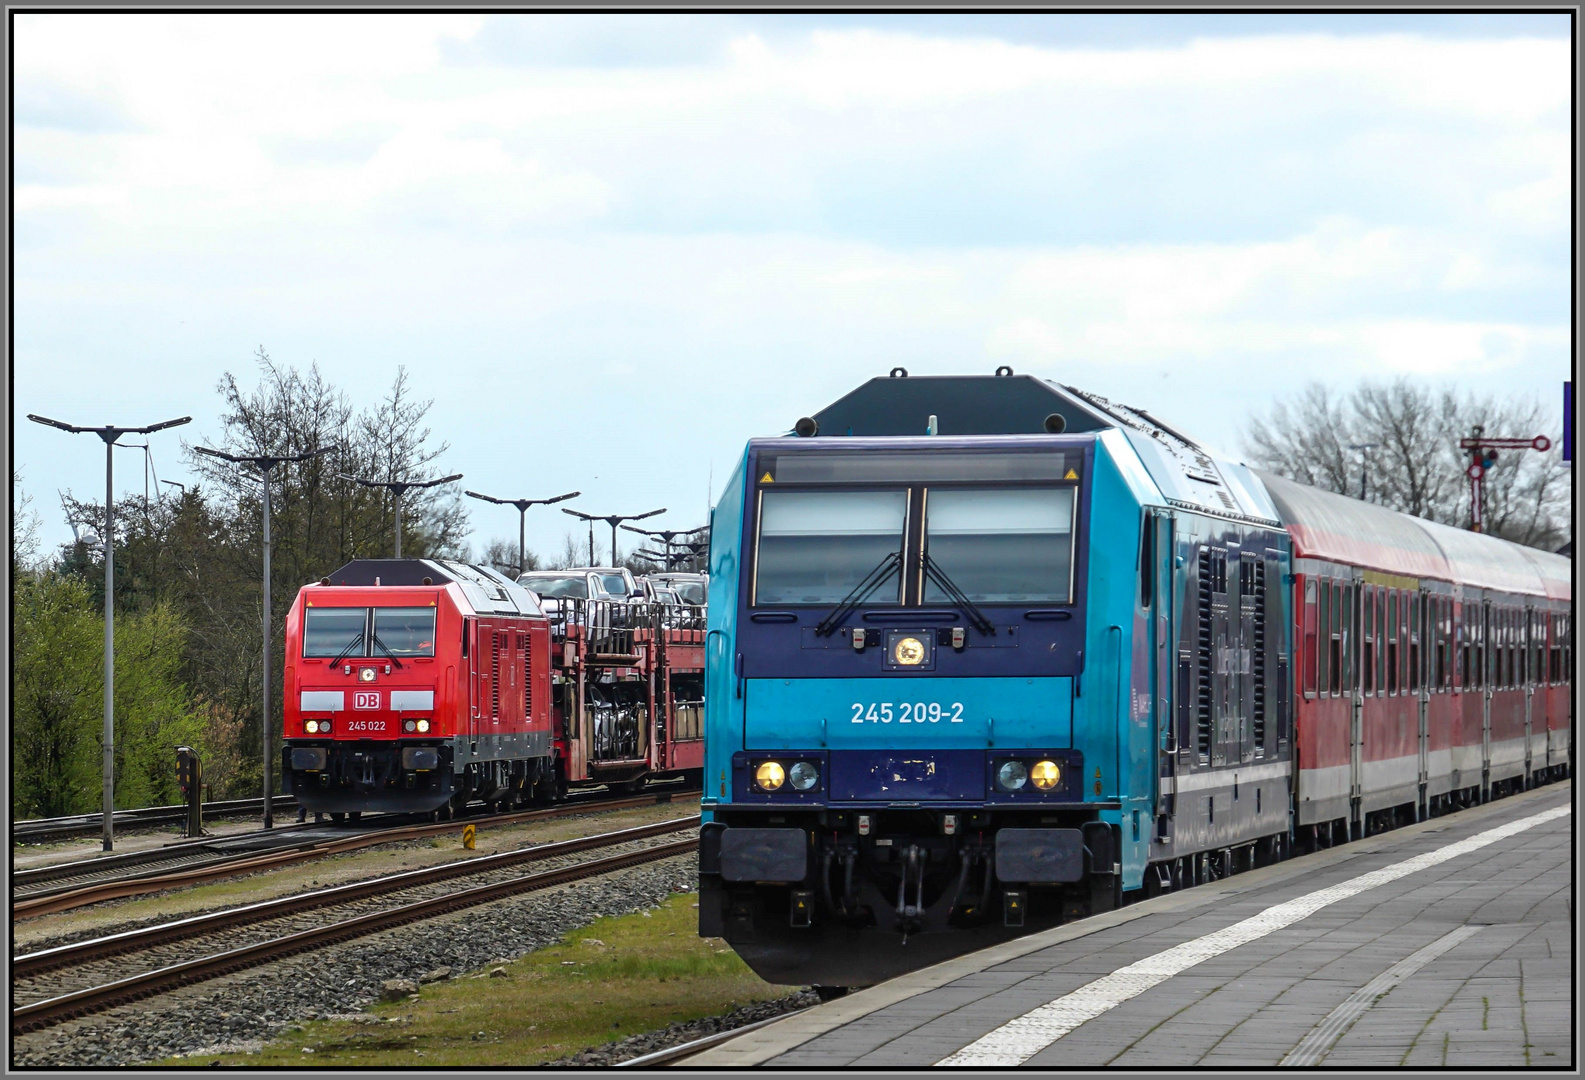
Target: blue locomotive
[(981, 652)]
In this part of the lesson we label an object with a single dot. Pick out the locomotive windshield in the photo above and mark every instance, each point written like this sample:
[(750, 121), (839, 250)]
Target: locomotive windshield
[(404, 631), (816, 546), (1000, 545), (339, 633), (330, 632)]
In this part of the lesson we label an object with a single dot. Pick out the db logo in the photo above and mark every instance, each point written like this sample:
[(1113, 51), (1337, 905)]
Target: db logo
[(365, 699)]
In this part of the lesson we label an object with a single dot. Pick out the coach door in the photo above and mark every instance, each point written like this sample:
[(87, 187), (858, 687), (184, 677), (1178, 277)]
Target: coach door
[(1484, 654), (1423, 632), (1356, 727), (1527, 679)]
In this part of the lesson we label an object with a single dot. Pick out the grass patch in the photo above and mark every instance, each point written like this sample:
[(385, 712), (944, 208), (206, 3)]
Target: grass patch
[(614, 978), (339, 869)]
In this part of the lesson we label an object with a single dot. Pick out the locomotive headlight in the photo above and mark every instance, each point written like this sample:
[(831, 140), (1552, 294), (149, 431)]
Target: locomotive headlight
[(366, 674), (908, 651), (769, 775), (803, 776), (1011, 776), (423, 725), (408, 725), (1045, 775), (310, 726)]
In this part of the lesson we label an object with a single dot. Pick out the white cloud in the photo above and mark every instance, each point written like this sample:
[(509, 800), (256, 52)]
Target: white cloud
[(723, 245)]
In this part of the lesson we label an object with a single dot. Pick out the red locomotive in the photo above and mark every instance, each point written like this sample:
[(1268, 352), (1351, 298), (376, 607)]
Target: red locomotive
[(424, 685)]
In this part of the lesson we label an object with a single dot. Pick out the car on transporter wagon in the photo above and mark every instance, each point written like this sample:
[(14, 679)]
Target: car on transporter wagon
[(986, 654)]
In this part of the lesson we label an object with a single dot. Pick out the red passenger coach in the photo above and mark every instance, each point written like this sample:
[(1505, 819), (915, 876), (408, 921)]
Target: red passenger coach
[(414, 684), (1432, 663)]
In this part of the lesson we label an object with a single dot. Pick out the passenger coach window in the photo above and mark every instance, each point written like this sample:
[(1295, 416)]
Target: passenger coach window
[(330, 632), (1000, 545), (1309, 659), (404, 632), (1414, 641), (1392, 641), (816, 546), (1334, 664), (1369, 648)]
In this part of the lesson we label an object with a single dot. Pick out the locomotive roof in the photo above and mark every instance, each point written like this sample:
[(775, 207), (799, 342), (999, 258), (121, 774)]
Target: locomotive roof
[(487, 591), (1184, 472), (1327, 525), (962, 405)]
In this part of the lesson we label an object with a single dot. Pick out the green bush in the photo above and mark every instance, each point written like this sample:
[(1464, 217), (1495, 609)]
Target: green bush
[(58, 700)]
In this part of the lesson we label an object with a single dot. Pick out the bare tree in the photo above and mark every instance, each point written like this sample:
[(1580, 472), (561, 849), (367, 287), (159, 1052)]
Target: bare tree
[(501, 554), (1414, 462), (1306, 440), (572, 554), (24, 527)]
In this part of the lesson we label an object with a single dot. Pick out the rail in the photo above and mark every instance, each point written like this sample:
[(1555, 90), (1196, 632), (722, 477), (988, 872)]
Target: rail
[(42, 1014), (49, 902), (132, 940), (40, 830)]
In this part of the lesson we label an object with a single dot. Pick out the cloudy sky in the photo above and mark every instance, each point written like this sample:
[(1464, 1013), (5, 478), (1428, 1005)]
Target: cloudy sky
[(612, 248)]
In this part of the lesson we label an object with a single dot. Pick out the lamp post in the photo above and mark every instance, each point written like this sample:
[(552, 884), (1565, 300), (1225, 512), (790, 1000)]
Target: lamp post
[(398, 488), (1363, 463), (522, 513), (612, 520), (265, 463), (110, 434), (668, 536)]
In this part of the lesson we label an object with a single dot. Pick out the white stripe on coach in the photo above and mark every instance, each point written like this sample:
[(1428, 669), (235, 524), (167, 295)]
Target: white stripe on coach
[(1022, 1038)]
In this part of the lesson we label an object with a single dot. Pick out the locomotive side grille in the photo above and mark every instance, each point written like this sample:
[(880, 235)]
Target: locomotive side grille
[(1257, 646), (1204, 649), (495, 674), (528, 676)]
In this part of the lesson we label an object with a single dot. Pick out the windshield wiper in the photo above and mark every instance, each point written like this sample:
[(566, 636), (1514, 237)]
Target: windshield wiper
[(353, 644), (872, 581), (386, 649), (977, 617)]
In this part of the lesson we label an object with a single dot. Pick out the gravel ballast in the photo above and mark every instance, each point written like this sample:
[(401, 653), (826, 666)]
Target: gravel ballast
[(253, 1006)]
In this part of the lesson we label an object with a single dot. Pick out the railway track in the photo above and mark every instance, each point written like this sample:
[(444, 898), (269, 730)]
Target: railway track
[(44, 830), (91, 976), (47, 890)]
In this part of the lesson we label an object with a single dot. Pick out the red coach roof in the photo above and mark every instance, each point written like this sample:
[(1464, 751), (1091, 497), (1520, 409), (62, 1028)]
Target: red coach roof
[(1325, 525), (1489, 563)]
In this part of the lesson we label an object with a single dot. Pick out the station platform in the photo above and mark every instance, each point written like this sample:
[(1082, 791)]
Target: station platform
[(1446, 943)]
